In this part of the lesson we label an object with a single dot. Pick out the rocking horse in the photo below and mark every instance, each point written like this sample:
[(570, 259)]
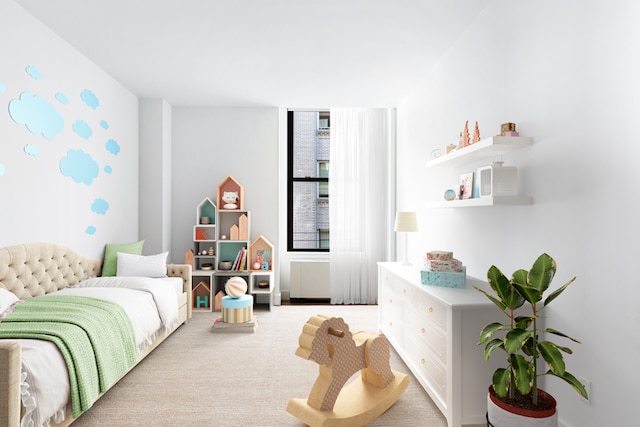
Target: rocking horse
[(340, 354)]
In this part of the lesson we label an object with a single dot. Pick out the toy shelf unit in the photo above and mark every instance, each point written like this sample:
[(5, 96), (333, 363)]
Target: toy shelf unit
[(233, 240), (485, 150), (261, 255), (201, 285), (205, 236), (230, 194), (220, 281), (261, 287)]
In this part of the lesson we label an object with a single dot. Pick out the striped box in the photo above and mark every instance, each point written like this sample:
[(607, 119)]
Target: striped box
[(237, 310)]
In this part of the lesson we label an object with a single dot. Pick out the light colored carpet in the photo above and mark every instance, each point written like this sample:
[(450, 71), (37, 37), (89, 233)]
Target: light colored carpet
[(202, 378)]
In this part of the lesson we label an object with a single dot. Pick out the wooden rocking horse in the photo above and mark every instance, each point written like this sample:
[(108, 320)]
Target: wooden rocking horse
[(340, 354)]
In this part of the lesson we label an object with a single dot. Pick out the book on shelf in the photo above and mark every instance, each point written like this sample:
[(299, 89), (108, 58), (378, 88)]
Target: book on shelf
[(236, 263)]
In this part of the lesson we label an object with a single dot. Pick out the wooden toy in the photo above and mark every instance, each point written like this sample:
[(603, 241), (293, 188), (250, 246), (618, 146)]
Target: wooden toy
[(340, 354), (476, 134)]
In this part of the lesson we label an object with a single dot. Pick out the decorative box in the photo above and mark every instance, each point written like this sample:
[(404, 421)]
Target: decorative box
[(440, 255), (446, 279), (237, 310)]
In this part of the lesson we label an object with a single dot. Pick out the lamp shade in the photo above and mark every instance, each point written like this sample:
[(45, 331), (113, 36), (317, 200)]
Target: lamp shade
[(406, 221)]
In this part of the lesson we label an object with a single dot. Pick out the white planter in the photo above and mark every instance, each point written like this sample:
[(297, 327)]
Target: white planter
[(499, 417)]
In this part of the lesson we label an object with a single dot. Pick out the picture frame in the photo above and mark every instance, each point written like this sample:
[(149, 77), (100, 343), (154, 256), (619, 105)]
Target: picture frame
[(466, 186)]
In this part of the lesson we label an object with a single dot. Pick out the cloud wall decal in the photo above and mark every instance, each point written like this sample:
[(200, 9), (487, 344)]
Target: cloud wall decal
[(89, 98), (37, 114), (100, 206), (82, 128), (33, 72), (79, 166), (112, 147)]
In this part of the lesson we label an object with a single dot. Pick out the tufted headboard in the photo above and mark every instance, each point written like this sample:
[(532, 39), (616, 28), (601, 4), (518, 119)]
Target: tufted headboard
[(36, 269)]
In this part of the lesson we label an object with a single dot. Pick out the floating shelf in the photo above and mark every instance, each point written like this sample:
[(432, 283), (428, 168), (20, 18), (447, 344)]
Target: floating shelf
[(481, 150), (482, 201)]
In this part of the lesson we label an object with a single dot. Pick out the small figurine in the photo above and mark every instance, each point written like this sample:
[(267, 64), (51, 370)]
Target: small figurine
[(476, 134), (230, 198)]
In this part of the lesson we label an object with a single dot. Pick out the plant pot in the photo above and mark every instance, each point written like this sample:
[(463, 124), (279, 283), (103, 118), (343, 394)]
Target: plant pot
[(501, 414)]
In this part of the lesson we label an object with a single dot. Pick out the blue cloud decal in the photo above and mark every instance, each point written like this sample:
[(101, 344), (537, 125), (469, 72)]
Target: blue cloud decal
[(32, 150), (62, 98), (112, 147), (107, 169), (79, 166), (100, 206), (33, 72), (2, 169), (104, 124), (3, 88), (89, 98), (91, 230), (82, 128), (37, 115)]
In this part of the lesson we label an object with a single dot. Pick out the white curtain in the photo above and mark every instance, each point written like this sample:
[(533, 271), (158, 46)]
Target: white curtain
[(359, 201)]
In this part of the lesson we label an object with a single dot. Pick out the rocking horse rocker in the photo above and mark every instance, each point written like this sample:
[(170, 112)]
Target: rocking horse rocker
[(340, 354)]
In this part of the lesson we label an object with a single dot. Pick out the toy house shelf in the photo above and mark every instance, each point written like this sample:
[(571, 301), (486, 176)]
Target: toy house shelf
[(261, 249), (229, 184), (211, 249)]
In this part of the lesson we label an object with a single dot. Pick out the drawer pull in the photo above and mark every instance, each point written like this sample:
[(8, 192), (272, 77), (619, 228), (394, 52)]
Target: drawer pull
[(423, 330), (422, 361), (430, 309), (390, 300), (404, 291)]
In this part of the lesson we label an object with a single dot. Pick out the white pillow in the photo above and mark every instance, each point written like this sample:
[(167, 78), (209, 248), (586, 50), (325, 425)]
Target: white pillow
[(141, 265), (8, 301)]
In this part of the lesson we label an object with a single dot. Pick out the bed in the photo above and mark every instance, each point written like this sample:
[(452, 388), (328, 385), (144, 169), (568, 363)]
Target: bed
[(138, 313)]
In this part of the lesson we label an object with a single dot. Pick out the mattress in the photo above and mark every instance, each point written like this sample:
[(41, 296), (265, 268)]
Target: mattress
[(150, 304)]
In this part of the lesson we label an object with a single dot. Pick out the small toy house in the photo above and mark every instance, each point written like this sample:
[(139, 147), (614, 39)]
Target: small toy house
[(261, 251), (201, 297), (230, 185)]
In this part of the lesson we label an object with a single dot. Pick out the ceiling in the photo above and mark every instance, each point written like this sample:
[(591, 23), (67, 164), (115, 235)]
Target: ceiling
[(290, 53)]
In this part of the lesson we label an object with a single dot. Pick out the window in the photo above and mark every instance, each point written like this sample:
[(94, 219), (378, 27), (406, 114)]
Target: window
[(308, 181)]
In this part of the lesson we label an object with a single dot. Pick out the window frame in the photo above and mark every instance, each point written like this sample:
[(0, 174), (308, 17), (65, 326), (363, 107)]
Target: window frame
[(290, 184)]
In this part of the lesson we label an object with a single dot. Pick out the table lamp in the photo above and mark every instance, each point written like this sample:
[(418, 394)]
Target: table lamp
[(406, 222)]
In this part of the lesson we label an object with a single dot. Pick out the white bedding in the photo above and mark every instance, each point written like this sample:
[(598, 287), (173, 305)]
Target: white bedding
[(151, 304)]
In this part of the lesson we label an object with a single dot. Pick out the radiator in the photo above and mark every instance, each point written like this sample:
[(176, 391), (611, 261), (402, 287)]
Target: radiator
[(310, 279)]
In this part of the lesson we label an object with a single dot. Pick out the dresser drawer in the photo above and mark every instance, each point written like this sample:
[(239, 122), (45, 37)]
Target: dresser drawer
[(429, 367), (430, 336), (428, 308)]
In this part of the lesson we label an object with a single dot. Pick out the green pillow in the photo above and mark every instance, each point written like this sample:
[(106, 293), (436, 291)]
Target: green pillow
[(110, 263)]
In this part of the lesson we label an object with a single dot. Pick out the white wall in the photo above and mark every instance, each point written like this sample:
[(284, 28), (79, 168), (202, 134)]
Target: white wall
[(38, 203), (567, 74), (210, 144), (155, 175)]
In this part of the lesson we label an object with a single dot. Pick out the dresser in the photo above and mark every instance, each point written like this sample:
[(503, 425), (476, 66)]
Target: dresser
[(435, 331)]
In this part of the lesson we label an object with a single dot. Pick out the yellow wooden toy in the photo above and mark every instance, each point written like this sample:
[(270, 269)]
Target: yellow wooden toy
[(340, 354)]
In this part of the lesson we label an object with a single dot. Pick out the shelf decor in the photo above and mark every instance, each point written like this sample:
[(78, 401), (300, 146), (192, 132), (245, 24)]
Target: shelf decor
[(230, 193)]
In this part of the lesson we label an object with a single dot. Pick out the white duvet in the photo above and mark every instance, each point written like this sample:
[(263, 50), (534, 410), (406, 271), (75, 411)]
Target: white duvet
[(151, 304)]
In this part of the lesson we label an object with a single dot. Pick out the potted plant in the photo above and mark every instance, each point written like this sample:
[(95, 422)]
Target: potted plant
[(514, 389)]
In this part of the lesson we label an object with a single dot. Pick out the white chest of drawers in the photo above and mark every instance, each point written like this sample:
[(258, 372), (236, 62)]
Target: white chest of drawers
[(435, 331)]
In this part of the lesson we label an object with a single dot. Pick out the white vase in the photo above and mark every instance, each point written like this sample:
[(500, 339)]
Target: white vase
[(499, 417)]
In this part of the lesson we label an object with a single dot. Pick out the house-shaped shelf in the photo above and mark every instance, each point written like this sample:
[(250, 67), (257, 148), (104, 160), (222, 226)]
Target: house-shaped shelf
[(205, 231), (206, 212), (201, 294), (261, 251), (230, 185)]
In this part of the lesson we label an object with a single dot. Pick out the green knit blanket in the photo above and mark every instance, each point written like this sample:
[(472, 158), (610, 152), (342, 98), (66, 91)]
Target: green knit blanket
[(95, 337)]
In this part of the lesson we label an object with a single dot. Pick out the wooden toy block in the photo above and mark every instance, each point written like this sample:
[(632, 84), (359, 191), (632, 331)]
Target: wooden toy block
[(234, 232), (243, 227), (340, 354)]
